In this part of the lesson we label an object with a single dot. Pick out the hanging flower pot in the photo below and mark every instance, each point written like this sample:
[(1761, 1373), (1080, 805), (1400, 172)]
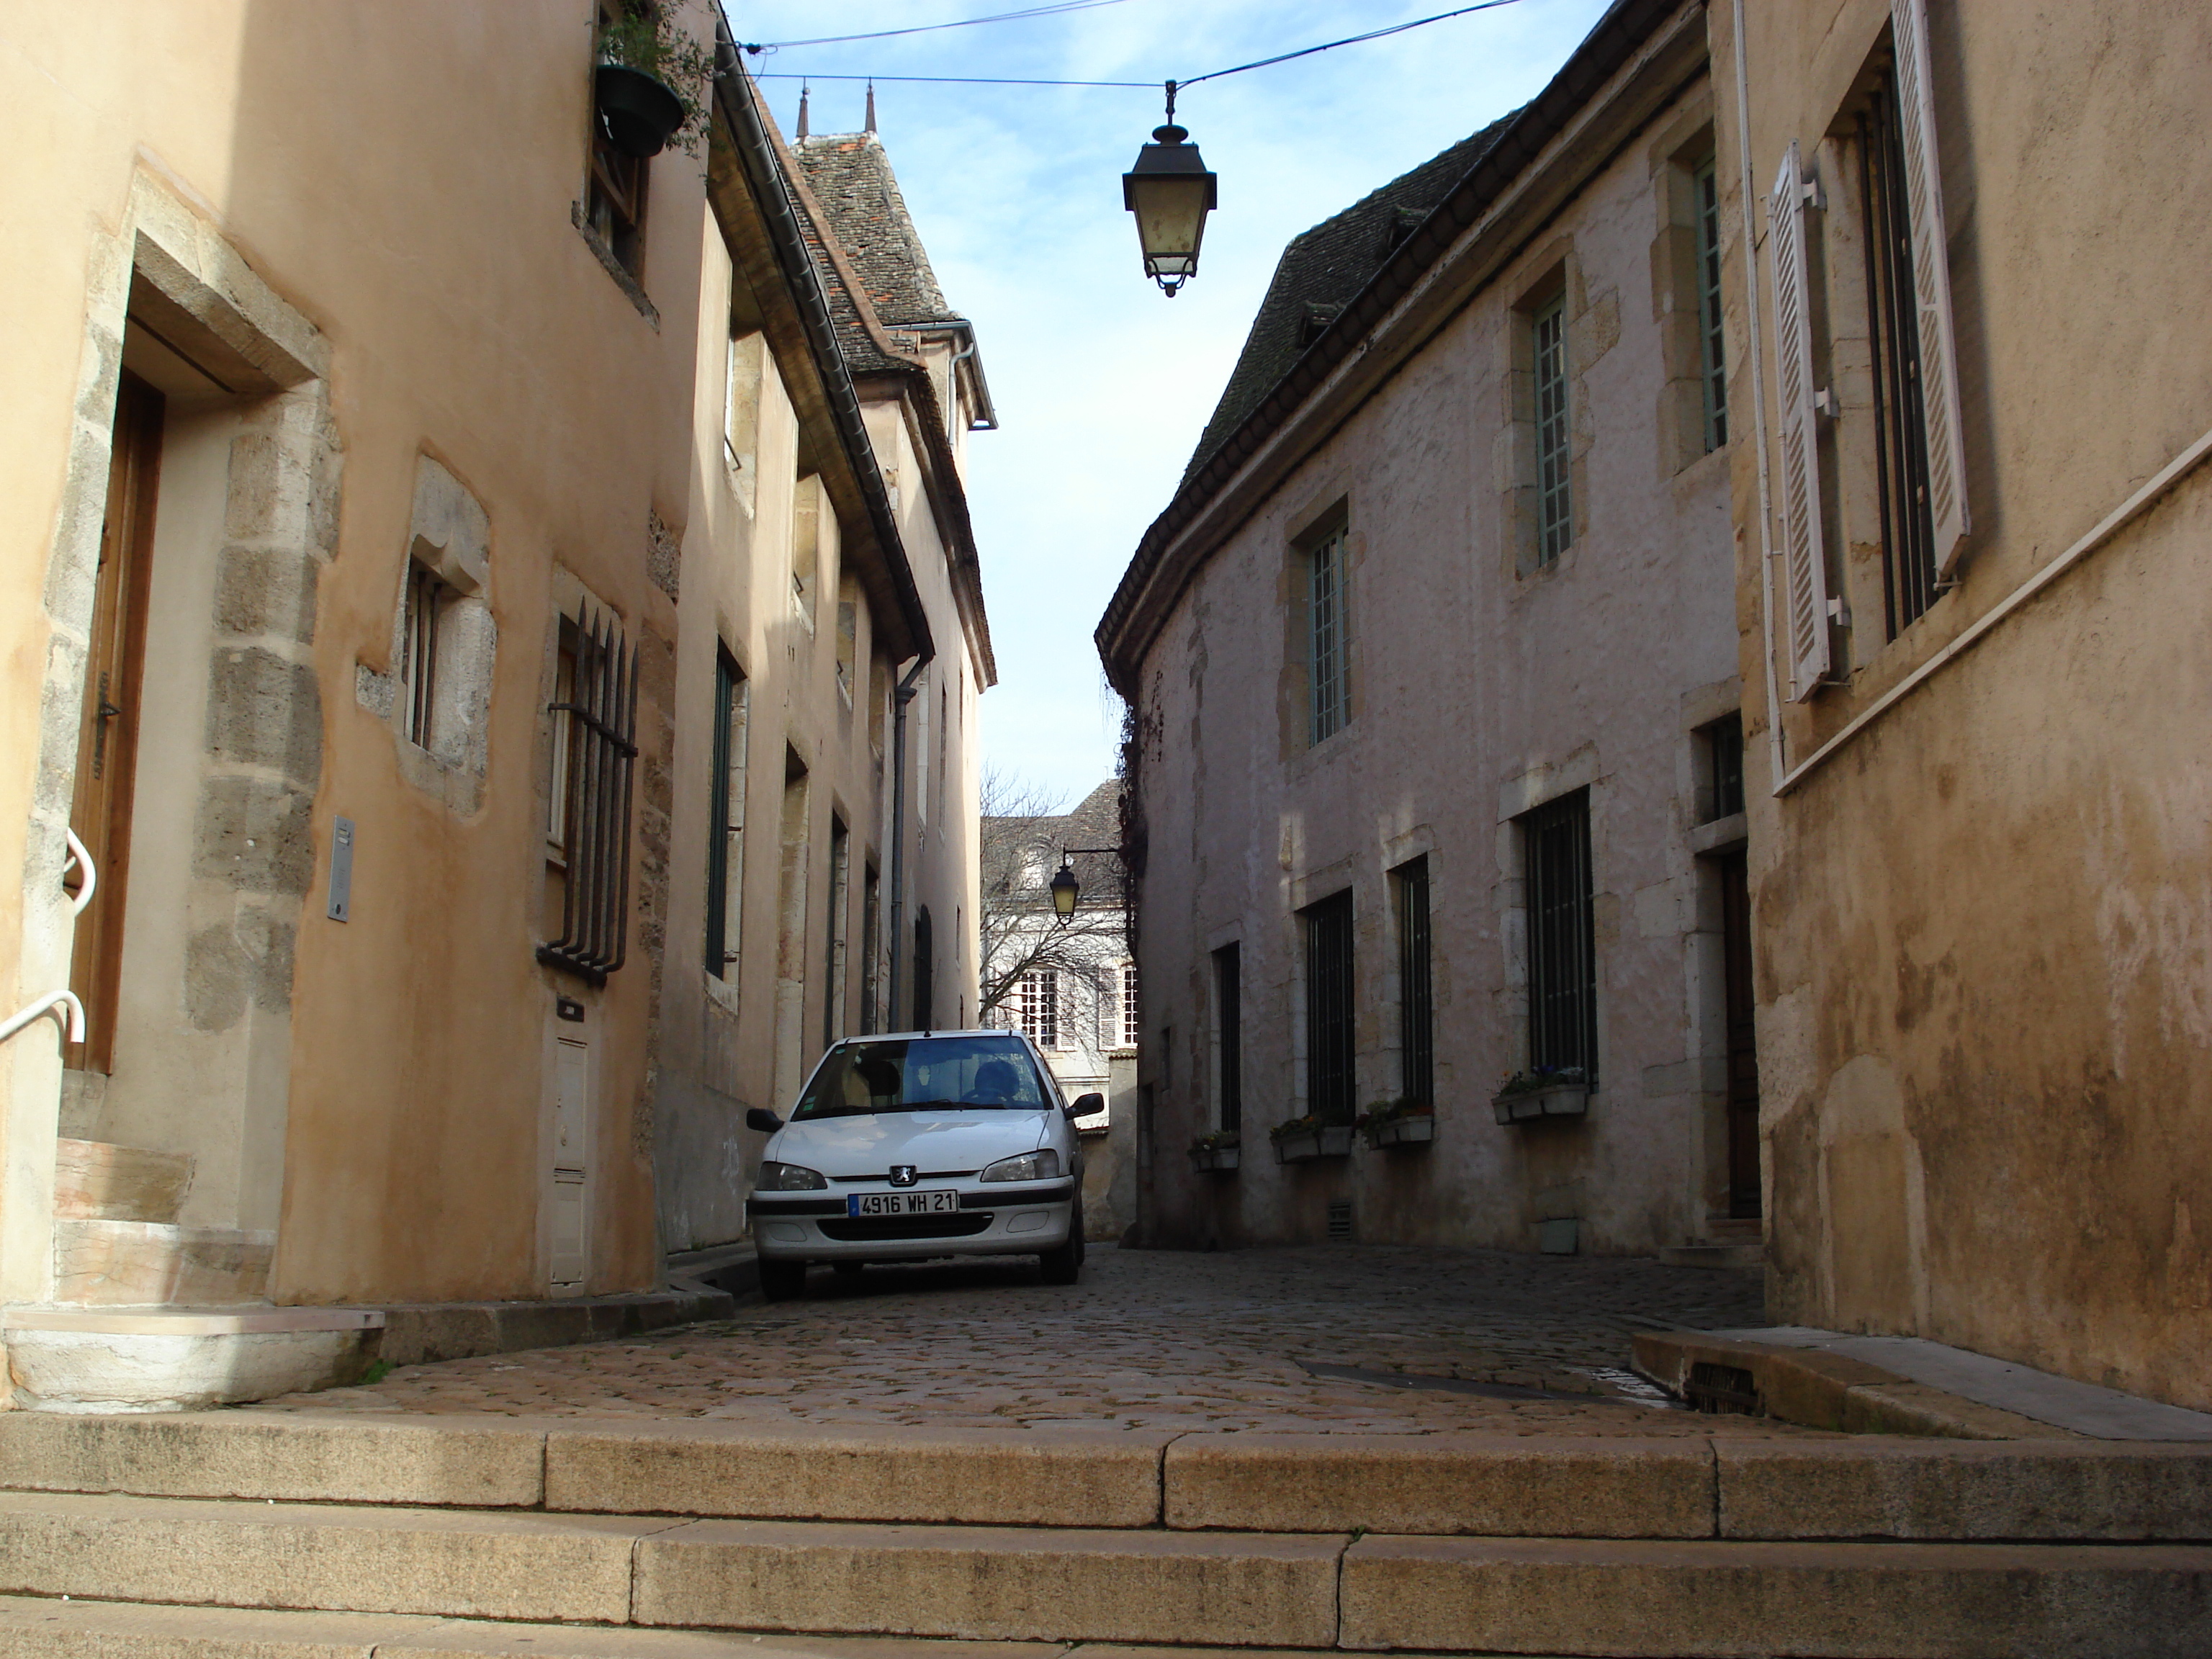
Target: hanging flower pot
[(641, 112)]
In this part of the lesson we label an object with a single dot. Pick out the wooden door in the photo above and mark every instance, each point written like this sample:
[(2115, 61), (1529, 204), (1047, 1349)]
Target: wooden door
[(1742, 1047), (107, 734)]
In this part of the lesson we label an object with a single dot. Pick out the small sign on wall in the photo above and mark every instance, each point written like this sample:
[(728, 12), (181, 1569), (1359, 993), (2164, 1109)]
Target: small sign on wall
[(341, 869)]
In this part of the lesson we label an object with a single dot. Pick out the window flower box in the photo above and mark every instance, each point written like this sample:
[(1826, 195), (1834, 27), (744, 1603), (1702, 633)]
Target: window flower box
[(1554, 1100), (1416, 1129), (1305, 1146), (1398, 1123), (1215, 1160)]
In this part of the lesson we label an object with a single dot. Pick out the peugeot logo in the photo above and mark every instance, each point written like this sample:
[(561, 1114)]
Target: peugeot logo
[(903, 1175)]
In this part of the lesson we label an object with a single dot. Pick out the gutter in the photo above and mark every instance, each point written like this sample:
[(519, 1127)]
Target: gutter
[(1611, 45), (735, 98), (902, 695)]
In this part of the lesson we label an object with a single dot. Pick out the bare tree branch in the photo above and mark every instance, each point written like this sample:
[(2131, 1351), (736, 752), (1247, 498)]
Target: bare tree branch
[(1023, 835)]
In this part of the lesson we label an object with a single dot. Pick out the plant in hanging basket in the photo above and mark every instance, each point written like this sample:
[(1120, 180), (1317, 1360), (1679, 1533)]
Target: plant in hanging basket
[(650, 85), (1293, 1129), (1216, 1140)]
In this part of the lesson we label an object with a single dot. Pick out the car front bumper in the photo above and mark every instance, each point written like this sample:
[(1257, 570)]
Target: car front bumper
[(992, 1220)]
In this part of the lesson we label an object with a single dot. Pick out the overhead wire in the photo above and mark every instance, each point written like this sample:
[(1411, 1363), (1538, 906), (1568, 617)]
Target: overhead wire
[(1084, 5), (1054, 10)]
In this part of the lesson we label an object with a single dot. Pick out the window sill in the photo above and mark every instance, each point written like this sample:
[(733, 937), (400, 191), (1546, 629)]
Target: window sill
[(1720, 836), (614, 267)]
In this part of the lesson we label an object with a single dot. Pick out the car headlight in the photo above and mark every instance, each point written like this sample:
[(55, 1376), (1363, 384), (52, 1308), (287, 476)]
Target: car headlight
[(776, 1178), (1042, 1165)]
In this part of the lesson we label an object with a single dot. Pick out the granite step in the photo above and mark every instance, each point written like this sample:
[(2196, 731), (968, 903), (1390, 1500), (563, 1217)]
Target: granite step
[(185, 1560), (1742, 1487)]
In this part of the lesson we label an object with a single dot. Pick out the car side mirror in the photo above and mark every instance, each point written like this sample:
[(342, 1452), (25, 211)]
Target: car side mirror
[(1087, 1104), (759, 1117)]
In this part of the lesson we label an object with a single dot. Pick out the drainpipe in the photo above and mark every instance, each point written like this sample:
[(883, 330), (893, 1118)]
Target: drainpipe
[(901, 696)]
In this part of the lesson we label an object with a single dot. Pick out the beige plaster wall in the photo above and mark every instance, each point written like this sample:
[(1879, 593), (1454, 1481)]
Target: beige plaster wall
[(419, 221), (1478, 692), (1983, 924)]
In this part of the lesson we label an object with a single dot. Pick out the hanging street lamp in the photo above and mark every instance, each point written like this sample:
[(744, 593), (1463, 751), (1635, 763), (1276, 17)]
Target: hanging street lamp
[(1170, 193), (1065, 887)]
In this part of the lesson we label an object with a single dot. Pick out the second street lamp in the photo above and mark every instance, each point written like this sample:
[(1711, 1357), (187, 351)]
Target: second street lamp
[(1065, 887), (1170, 193)]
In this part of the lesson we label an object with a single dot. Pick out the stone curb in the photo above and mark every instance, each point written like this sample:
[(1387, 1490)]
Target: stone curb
[(1832, 1391)]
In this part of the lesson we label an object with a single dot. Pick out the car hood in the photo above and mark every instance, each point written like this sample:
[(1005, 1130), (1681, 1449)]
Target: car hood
[(870, 1144)]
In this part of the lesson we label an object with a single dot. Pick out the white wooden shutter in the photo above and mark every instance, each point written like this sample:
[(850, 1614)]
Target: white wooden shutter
[(1805, 616), (1931, 280)]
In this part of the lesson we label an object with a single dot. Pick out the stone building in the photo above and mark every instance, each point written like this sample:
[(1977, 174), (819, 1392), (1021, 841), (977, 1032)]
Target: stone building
[(1974, 571), (1070, 985), (462, 593), (1432, 664)]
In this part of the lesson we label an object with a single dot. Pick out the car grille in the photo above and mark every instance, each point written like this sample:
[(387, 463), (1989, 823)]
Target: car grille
[(867, 1229)]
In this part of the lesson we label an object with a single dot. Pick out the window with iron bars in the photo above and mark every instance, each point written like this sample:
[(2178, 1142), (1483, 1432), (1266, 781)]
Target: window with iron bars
[(1409, 896), (725, 823), (1329, 1084), (427, 600), (1554, 518), (1229, 1017), (1705, 187), (1908, 528), (1038, 1006), (1562, 937), (1327, 640), (594, 758)]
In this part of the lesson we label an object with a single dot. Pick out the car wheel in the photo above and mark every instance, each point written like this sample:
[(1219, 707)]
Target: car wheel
[(783, 1281), (1063, 1265)]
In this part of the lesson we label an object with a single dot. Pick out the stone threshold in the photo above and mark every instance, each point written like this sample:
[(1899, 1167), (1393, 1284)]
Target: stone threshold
[(127, 1359), (1911, 1386)]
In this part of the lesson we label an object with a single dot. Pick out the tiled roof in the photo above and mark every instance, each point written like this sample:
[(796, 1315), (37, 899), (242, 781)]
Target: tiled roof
[(1324, 267), (850, 174)]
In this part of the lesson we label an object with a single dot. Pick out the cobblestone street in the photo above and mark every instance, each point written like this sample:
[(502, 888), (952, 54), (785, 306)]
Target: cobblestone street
[(1149, 1338)]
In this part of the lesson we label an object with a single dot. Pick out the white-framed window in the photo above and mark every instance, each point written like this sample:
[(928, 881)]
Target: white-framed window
[(1328, 635), (1555, 437), (1129, 1022), (1038, 1006)]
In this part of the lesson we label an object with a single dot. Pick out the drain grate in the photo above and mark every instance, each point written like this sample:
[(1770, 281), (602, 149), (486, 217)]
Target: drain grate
[(1340, 1222), (1722, 1389)]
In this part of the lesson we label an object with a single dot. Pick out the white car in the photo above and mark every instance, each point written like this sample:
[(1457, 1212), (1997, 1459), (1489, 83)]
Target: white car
[(916, 1144)]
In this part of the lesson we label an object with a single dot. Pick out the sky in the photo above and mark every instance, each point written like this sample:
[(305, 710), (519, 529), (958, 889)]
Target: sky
[(1101, 384)]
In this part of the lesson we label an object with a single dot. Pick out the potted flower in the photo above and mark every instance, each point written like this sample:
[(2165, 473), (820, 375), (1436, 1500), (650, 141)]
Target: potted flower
[(1216, 1153), (1401, 1122), (1541, 1091), (1301, 1139), (647, 84)]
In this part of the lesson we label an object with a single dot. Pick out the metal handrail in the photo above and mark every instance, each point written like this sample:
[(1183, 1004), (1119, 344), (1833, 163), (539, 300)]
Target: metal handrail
[(62, 1005), (80, 857)]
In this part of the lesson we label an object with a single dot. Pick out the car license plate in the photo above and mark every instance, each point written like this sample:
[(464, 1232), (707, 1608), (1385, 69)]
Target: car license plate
[(936, 1200)]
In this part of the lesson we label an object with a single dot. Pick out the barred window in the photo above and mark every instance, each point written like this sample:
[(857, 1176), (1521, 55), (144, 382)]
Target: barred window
[(1409, 893), (1553, 438), (426, 600), (1328, 639), (1329, 982), (1039, 1008), (1562, 937), (594, 758), (1228, 1025)]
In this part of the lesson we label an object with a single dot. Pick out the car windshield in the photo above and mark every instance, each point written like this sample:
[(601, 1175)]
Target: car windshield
[(919, 1074)]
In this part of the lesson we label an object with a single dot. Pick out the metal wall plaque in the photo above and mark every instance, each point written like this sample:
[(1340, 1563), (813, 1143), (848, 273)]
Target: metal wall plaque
[(341, 869)]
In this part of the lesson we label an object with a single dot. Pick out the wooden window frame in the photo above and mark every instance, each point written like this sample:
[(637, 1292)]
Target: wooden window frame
[(1561, 896), (1554, 430)]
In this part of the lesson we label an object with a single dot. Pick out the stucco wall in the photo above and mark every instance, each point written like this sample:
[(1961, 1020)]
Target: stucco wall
[(466, 321), (1478, 692), (1983, 924)]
